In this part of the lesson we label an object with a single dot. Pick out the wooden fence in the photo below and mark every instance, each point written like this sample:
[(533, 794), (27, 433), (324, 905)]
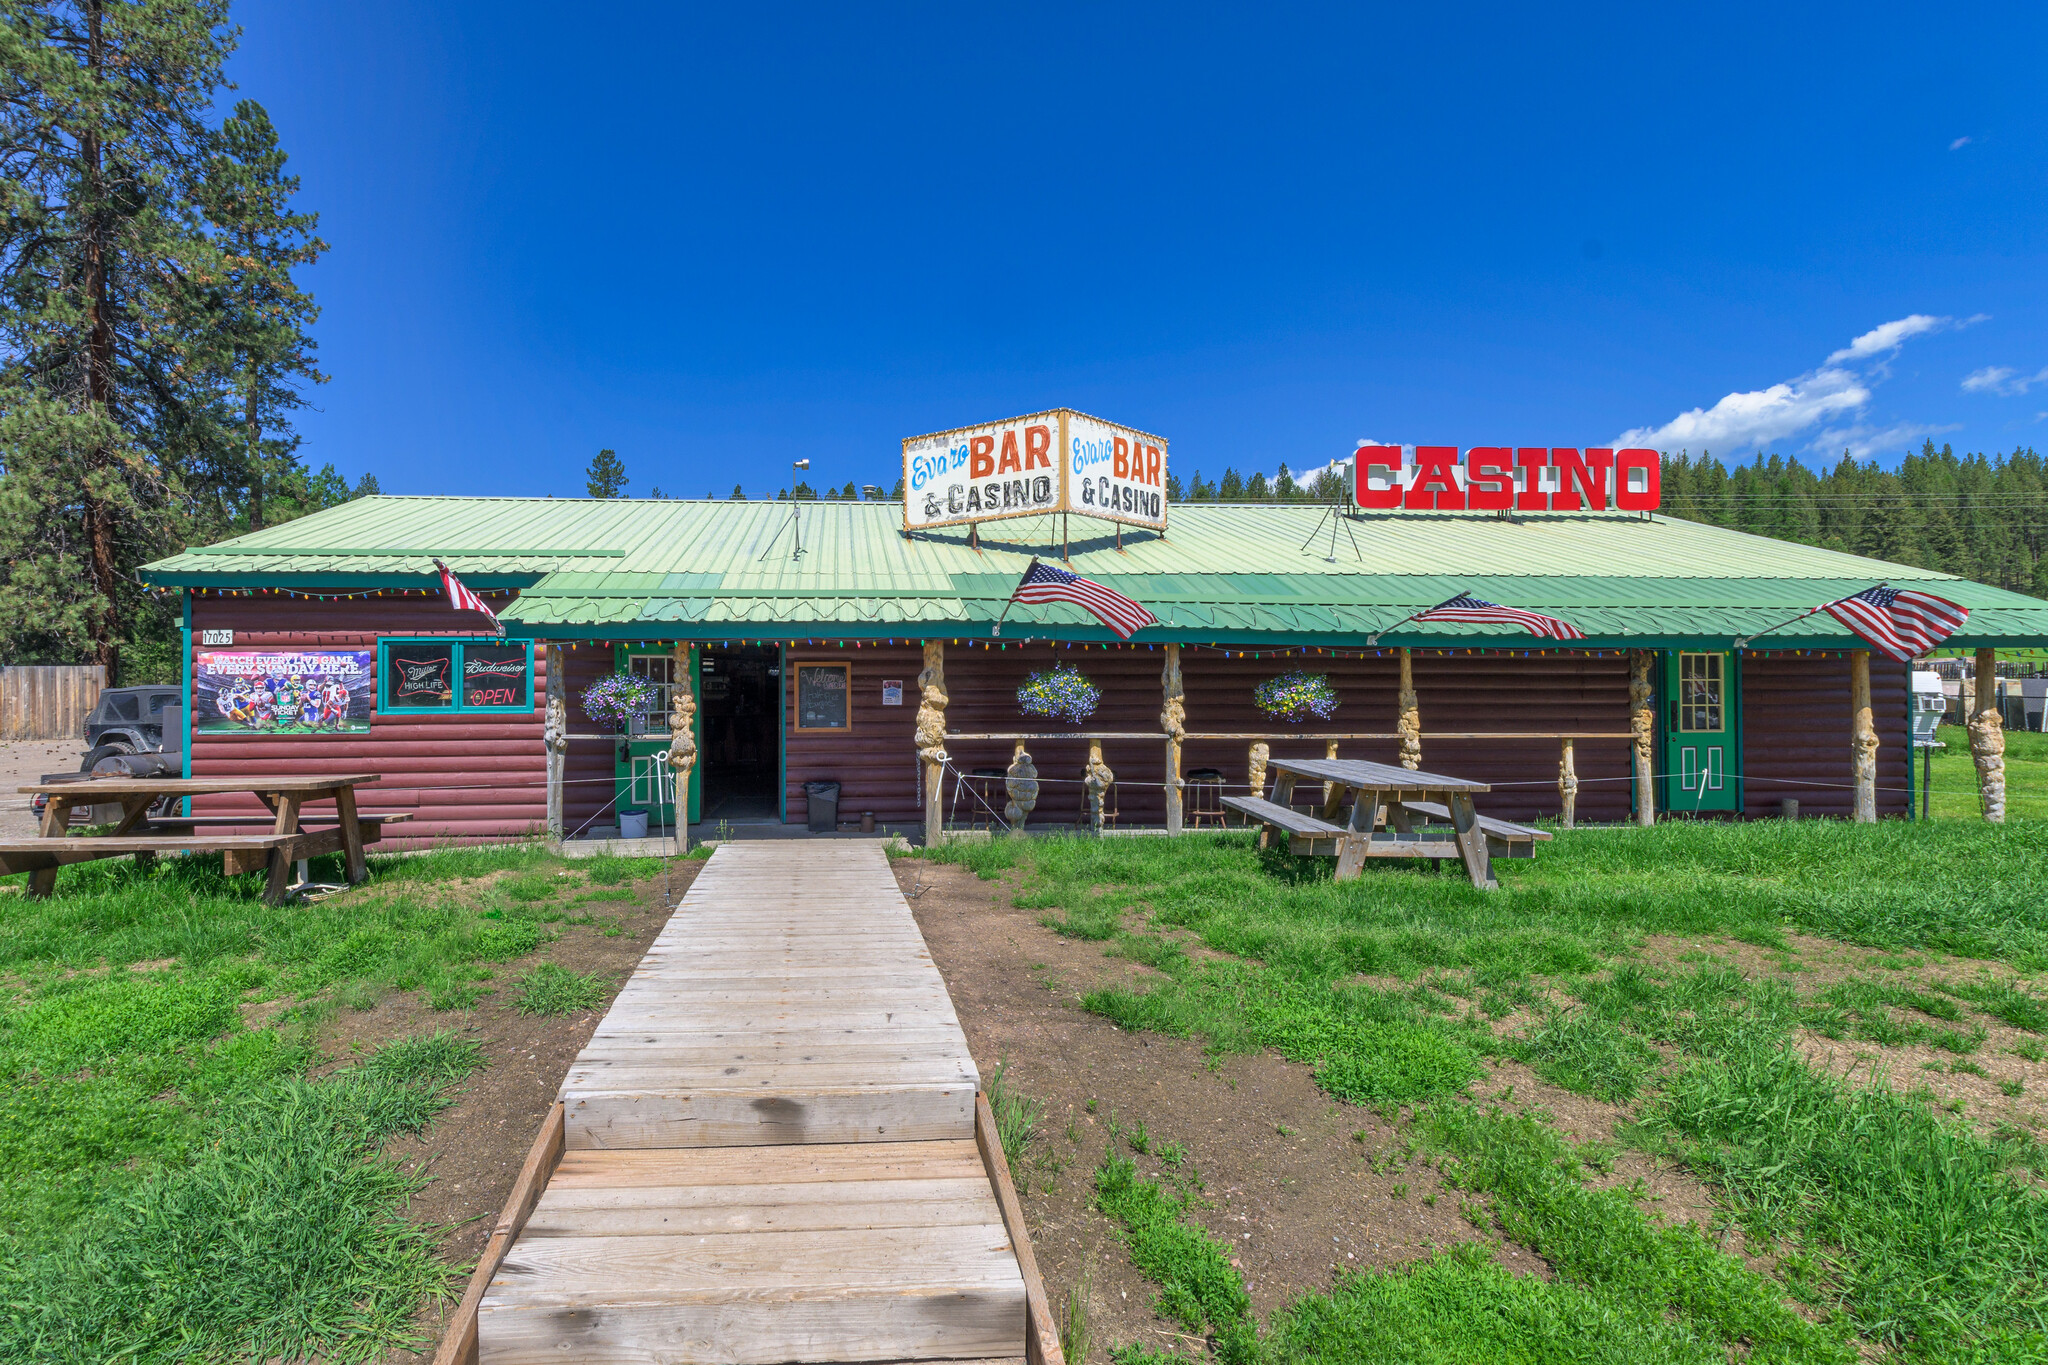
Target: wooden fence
[(48, 702)]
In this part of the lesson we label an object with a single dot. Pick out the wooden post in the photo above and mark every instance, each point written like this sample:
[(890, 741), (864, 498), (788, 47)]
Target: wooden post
[(1863, 738), (1987, 738), (555, 738), (1410, 723), (1021, 783), (1643, 725), (1096, 781), (682, 733), (1173, 719), (1333, 792), (1255, 767), (931, 738), (1568, 785)]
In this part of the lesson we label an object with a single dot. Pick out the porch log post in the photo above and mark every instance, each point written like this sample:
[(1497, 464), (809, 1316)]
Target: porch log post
[(1173, 719), (931, 737), (1987, 738), (1255, 767), (1568, 785), (682, 733), (1096, 782), (1642, 725), (1333, 792), (1863, 738), (1410, 723), (1021, 782), (555, 738)]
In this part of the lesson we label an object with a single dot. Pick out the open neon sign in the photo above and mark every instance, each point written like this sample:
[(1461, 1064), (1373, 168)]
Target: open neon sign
[(1507, 478)]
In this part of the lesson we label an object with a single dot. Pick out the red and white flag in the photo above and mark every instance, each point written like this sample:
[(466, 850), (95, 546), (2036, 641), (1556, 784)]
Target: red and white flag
[(1899, 622), (461, 598), (1473, 610), (1044, 583)]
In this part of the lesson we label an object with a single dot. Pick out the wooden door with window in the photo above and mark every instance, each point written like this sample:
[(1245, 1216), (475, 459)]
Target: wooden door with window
[(1702, 758)]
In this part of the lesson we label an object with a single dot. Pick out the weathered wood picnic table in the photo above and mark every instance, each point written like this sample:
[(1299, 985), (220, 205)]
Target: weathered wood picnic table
[(1382, 795), (144, 836)]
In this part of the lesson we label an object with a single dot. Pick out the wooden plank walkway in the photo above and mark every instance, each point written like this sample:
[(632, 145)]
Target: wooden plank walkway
[(769, 1145)]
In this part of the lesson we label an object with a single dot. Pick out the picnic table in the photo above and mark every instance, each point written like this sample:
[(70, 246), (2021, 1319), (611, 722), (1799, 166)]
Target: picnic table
[(1394, 814), (137, 832)]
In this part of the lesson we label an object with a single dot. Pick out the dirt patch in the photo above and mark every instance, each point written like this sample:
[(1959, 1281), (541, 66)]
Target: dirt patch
[(473, 1151), (1300, 1184)]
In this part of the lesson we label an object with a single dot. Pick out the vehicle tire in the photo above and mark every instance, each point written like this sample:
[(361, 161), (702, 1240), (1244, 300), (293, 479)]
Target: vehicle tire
[(109, 749)]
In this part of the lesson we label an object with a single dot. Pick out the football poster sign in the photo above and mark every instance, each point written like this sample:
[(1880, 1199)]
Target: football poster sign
[(283, 692), (1057, 461)]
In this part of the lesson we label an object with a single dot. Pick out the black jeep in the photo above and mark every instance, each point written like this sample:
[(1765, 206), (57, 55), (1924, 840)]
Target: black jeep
[(128, 720)]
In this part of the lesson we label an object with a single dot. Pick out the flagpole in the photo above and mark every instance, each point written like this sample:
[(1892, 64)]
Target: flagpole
[(996, 631), (1742, 641)]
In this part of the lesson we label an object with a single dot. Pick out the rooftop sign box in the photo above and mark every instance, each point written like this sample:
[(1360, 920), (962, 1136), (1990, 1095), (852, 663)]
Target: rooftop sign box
[(1505, 478), (1058, 461)]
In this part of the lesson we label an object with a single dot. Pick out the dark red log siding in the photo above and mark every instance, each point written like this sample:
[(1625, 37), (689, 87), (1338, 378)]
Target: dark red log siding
[(1796, 729), (461, 777), (875, 764), (1508, 693)]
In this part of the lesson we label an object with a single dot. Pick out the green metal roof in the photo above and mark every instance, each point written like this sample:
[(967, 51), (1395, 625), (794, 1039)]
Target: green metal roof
[(1245, 572)]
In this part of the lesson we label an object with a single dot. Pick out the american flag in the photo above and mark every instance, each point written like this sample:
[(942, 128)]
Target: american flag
[(1466, 607), (462, 599), (1900, 622), (1044, 583)]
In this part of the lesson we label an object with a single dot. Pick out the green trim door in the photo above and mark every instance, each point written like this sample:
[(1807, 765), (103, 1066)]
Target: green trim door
[(640, 770), (1702, 719)]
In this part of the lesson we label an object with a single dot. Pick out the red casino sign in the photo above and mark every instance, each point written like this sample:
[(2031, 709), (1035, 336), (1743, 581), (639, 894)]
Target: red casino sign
[(1505, 479)]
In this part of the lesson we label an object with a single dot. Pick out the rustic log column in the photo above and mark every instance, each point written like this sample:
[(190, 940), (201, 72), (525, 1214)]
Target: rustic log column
[(682, 732), (1021, 782), (1333, 793), (555, 737), (931, 737), (1642, 724), (1410, 723), (1173, 719), (1255, 768), (1568, 785), (1862, 739), (1096, 781), (1987, 738)]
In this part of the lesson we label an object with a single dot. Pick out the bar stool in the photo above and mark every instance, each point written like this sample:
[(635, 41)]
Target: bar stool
[(986, 792), (1203, 798)]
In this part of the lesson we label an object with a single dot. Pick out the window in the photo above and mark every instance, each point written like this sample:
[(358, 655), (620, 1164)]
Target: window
[(455, 675), (659, 669), (1700, 694), (824, 697)]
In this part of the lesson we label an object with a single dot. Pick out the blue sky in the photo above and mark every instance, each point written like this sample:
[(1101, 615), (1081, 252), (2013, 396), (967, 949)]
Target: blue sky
[(717, 239)]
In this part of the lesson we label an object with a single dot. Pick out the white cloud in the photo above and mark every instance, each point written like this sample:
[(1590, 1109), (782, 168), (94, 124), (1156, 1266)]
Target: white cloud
[(1862, 441), (2003, 380), (1960, 143), (1835, 393)]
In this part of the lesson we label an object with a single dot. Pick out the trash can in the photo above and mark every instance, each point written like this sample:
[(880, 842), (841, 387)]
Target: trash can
[(632, 824), (823, 800)]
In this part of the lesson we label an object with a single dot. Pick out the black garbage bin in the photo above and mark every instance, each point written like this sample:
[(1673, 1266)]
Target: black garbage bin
[(823, 800)]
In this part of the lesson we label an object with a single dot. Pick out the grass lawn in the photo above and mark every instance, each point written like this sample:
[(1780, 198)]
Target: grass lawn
[(1954, 792), (1880, 1219), (179, 1182)]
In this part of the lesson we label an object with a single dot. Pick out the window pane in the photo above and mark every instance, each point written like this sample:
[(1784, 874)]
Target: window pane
[(420, 675), (494, 675)]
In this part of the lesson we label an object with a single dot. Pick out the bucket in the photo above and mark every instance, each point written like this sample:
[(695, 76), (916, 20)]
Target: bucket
[(632, 824)]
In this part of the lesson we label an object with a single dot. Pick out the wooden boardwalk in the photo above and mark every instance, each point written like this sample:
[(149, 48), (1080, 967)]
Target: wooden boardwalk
[(769, 1146)]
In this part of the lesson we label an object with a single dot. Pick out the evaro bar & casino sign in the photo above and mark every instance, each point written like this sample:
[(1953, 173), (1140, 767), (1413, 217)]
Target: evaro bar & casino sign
[(1506, 479), (1058, 461)]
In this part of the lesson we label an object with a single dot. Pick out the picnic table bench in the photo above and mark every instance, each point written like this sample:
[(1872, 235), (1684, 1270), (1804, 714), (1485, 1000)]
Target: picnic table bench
[(288, 841), (1378, 792)]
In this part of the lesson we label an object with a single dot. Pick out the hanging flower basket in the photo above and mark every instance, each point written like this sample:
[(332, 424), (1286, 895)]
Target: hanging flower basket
[(1061, 693), (1296, 697), (616, 700)]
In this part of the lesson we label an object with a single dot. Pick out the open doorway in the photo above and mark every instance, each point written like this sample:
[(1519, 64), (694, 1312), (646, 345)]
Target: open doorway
[(740, 714)]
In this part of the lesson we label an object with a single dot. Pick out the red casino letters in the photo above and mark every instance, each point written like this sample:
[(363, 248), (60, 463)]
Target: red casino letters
[(1507, 478)]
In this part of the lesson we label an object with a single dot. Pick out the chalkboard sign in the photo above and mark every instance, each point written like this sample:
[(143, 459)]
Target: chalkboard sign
[(422, 675), (494, 675), (823, 696)]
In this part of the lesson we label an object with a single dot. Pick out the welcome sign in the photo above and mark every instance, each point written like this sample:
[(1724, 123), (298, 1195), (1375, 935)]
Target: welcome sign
[(1057, 461)]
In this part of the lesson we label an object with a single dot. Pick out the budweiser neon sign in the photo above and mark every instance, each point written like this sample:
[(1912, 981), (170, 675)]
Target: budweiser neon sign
[(1506, 479)]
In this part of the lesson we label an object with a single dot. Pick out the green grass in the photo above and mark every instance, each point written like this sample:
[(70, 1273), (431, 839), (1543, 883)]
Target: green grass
[(553, 989), (1016, 1118), (1954, 793), (1890, 1217), (172, 1183)]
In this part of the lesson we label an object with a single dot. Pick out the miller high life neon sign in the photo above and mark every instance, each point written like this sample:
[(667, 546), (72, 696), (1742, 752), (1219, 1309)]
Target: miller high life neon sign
[(1506, 479)]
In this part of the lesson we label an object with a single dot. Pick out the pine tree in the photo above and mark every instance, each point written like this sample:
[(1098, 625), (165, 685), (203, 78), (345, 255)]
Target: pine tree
[(897, 491), (739, 494), (1173, 488), (606, 477), (1232, 487), (104, 261), (1256, 489), (1283, 484), (366, 487), (264, 313)]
